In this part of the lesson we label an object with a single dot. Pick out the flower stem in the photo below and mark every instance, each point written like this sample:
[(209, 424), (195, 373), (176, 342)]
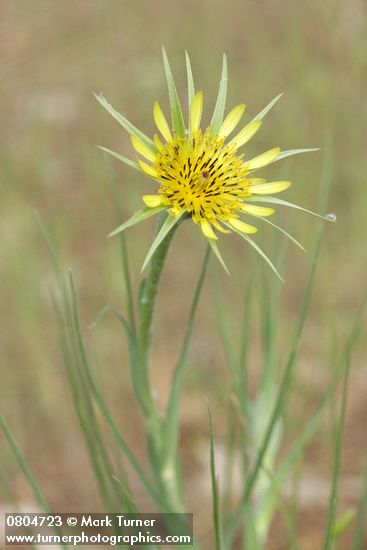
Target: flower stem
[(147, 300)]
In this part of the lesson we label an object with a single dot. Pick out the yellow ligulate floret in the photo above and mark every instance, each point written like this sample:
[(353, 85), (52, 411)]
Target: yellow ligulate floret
[(208, 230), (148, 169), (264, 159), (152, 200), (246, 133), (231, 120), (242, 226), (161, 122), (254, 210), (270, 187), (142, 149), (196, 111)]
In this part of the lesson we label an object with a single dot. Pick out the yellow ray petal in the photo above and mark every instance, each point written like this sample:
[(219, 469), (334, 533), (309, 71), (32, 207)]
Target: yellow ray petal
[(246, 133), (270, 187), (263, 159), (152, 201), (148, 169), (196, 111), (231, 120), (207, 230), (161, 122), (142, 149), (242, 226), (254, 210), (158, 142), (217, 225)]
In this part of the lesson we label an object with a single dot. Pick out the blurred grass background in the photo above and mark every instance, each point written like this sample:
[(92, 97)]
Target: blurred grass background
[(54, 56)]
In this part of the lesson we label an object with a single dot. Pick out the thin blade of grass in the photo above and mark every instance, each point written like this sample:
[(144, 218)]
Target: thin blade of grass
[(333, 501), (26, 471), (284, 385), (123, 250), (362, 516), (104, 409), (215, 493), (171, 425)]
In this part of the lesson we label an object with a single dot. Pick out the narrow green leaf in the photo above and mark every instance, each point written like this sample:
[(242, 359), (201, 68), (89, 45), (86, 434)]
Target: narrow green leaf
[(338, 444), (23, 465), (125, 123), (218, 114), (106, 309), (275, 200), (168, 224), (288, 235), (344, 521), (362, 516), (266, 109), (176, 112), (190, 81), (215, 249), (139, 216), (124, 253), (104, 409), (172, 424), (127, 161), (215, 494)]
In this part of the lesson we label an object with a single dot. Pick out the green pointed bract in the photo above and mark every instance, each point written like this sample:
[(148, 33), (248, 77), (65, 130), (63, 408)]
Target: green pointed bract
[(176, 112), (215, 249), (291, 152), (266, 109), (274, 200), (288, 235), (190, 81), (143, 214), (168, 224), (130, 128), (258, 249), (127, 161), (218, 114)]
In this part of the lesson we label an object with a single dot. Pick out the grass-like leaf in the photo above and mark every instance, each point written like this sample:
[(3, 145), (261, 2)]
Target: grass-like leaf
[(215, 493), (330, 532), (172, 421)]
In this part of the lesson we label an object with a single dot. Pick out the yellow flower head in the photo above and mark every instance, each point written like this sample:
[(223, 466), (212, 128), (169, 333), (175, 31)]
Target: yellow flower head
[(203, 173)]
